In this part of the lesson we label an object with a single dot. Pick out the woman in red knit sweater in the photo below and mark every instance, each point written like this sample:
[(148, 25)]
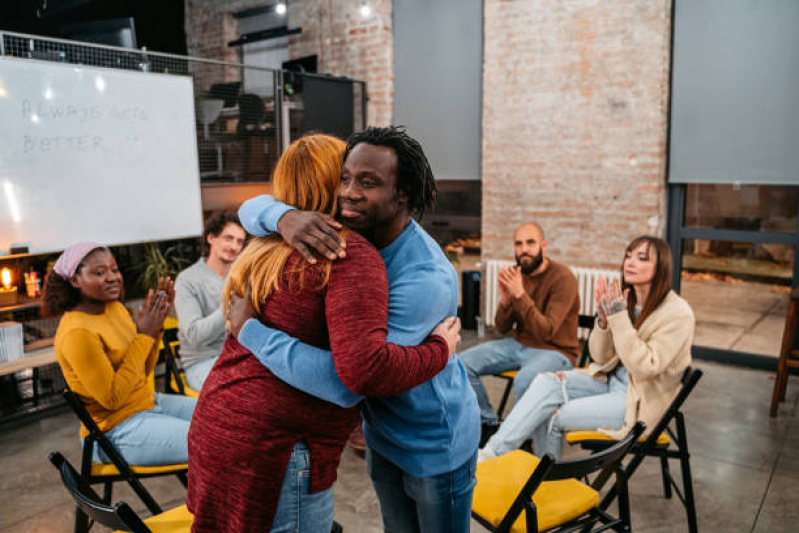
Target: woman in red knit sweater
[(262, 454)]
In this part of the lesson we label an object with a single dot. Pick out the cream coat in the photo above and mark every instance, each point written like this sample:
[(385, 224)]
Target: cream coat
[(656, 355)]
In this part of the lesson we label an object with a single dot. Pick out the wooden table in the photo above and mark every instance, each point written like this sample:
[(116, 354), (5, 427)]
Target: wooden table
[(35, 359)]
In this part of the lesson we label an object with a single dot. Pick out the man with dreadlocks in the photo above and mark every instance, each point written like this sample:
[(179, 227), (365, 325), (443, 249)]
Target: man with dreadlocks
[(421, 444)]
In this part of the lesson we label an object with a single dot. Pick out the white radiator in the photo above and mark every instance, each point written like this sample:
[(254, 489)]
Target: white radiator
[(586, 279)]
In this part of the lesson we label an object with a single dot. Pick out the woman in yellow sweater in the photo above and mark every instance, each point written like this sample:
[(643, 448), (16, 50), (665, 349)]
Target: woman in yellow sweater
[(106, 357), (641, 347)]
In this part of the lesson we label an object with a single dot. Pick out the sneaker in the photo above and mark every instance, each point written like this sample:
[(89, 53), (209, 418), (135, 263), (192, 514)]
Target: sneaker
[(484, 454), (357, 442)]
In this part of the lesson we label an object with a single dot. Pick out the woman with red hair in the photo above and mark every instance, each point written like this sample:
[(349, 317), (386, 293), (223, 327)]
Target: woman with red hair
[(262, 454)]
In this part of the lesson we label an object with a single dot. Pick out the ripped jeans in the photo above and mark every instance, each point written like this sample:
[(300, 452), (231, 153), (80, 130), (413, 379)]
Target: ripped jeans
[(551, 406)]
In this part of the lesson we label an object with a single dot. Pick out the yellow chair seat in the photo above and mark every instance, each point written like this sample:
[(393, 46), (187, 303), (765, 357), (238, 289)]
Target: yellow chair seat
[(108, 469), (509, 374), (500, 480), (191, 393), (177, 520), (576, 437)]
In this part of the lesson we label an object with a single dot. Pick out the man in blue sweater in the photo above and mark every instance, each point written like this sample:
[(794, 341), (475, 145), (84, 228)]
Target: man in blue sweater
[(421, 444)]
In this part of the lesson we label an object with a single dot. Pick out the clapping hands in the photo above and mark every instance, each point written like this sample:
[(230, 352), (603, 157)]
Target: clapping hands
[(510, 284), (609, 300)]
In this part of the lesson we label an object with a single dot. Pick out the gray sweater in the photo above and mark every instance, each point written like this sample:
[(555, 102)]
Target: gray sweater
[(201, 323)]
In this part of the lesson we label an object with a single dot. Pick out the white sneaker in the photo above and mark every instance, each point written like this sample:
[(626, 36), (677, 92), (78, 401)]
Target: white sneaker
[(484, 454)]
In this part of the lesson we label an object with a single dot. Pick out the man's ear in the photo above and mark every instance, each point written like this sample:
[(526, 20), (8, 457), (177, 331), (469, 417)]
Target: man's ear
[(544, 248), (402, 198)]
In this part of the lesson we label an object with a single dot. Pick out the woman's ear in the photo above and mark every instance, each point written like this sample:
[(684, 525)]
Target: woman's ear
[(74, 281)]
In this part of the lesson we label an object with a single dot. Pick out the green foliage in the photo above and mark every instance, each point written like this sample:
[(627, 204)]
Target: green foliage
[(158, 264)]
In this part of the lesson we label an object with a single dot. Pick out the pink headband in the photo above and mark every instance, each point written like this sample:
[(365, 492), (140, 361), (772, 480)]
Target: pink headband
[(68, 262)]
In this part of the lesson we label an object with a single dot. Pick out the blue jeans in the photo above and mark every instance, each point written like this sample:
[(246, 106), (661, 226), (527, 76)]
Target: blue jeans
[(553, 406), (501, 355), (197, 373), (298, 511), (437, 504), (158, 436)]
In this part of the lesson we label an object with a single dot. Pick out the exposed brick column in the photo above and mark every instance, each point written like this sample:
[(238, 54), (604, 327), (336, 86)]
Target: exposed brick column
[(574, 124)]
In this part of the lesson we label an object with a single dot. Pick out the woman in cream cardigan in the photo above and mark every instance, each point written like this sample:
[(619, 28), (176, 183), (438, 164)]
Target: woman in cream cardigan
[(641, 346)]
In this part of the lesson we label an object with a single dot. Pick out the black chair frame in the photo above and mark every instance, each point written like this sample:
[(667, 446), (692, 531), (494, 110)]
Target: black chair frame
[(97, 437), (607, 462), (651, 448), (583, 321), (119, 517), (174, 369)]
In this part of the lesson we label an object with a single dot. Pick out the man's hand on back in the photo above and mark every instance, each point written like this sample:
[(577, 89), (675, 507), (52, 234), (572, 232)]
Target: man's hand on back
[(312, 233)]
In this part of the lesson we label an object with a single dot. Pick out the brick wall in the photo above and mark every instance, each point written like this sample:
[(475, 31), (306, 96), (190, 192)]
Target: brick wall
[(346, 43), (574, 124)]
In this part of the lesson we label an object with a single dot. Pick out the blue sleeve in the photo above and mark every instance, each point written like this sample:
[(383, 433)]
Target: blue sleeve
[(419, 298), (259, 215), (304, 367)]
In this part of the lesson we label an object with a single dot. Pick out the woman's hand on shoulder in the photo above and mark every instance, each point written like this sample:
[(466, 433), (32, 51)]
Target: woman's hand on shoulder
[(450, 330), (239, 311)]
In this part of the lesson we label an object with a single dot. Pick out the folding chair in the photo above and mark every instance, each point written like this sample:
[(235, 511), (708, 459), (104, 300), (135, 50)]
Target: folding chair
[(120, 517), (175, 380), (548, 492), (118, 470), (658, 444), (583, 321)]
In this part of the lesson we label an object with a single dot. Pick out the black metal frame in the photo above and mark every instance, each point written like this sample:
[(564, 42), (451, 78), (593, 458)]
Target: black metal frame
[(651, 448), (676, 232), (125, 472), (174, 371), (119, 517), (583, 321), (606, 462)]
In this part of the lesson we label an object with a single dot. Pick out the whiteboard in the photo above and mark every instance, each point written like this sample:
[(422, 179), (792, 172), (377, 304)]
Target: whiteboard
[(93, 154)]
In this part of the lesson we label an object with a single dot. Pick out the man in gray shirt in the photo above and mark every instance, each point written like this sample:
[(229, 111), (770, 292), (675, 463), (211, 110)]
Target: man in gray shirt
[(198, 300)]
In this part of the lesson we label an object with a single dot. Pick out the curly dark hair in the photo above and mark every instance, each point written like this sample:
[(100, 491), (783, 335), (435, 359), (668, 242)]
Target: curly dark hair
[(216, 223), (59, 295), (414, 175)]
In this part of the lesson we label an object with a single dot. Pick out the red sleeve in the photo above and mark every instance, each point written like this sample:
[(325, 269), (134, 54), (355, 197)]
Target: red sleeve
[(356, 307)]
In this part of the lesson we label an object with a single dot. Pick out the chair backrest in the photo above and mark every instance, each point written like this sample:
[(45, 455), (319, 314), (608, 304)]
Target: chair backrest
[(689, 380), (119, 517), (548, 469), (604, 460), (96, 436), (174, 369), (587, 322)]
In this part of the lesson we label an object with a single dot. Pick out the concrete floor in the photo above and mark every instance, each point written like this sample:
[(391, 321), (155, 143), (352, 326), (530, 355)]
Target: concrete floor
[(742, 316), (745, 466)]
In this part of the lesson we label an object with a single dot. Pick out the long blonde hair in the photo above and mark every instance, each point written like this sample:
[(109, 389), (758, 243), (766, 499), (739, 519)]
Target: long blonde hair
[(306, 177)]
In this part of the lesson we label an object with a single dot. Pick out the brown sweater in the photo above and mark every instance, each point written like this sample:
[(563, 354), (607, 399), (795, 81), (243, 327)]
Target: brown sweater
[(546, 316)]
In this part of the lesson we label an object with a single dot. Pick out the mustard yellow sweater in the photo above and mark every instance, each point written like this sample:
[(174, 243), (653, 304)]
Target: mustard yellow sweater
[(105, 362)]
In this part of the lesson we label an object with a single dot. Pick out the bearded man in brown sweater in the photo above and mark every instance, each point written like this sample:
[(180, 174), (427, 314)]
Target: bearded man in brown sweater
[(539, 299)]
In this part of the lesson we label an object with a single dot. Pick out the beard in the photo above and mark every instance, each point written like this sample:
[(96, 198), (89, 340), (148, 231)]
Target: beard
[(530, 266)]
